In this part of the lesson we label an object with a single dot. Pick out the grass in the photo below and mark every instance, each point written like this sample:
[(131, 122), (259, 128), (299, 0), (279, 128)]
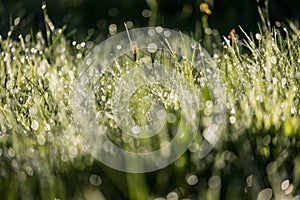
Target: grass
[(42, 156)]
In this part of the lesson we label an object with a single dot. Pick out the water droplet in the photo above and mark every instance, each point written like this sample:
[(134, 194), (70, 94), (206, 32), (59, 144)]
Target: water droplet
[(232, 119), (273, 60), (214, 182), (171, 117), (47, 127), (267, 140), (34, 125), (41, 139), (208, 31), (27, 37), (146, 13), (95, 180), (209, 104), (73, 152), (159, 29), (167, 33), (172, 196), (265, 194), (192, 180), (33, 50), (152, 47), (275, 80), (151, 32), (129, 24), (249, 180), (17, 21), (260, 98), (11, 152), (79, 55), (31, 152), (285, 184), (135, 130), (194, 45), (112, 29), (64, 157), (271, 168), (293, 110), (216, 56), (258, 36), (119, 47)]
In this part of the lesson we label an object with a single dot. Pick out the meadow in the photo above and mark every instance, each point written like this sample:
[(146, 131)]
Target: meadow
[(256, 157)]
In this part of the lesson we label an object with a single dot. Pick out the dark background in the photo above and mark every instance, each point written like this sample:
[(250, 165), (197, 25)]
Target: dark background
[(94, 16)]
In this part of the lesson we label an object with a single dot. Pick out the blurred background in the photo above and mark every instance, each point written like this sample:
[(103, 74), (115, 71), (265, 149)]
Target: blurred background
[(93, 17)]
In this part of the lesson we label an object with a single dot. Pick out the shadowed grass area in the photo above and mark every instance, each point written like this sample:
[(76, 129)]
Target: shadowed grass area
[(42, 156)]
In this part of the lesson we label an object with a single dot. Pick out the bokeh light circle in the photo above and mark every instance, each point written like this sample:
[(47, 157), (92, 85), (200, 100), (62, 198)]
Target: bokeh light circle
[(151, 90)]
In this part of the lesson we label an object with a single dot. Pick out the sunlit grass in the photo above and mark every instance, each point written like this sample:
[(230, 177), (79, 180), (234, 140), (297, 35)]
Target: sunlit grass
[(263, 105), (37, 132), (41, 154)]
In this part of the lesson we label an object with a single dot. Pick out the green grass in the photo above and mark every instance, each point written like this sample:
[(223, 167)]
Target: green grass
[(41, 155)]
